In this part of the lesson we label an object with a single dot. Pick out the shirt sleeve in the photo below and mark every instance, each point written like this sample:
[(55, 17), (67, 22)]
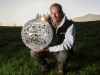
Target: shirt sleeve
[(68, 41)]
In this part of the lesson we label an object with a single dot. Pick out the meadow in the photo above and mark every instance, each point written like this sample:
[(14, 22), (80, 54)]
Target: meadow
[(15, 57)]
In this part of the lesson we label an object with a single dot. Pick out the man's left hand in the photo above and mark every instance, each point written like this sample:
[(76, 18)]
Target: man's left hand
[(42, 49)]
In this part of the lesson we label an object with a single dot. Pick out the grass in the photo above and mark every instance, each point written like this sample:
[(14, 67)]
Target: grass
[(15, 57)]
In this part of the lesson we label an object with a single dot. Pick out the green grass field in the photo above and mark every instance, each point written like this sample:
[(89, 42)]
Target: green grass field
[(15, 57)]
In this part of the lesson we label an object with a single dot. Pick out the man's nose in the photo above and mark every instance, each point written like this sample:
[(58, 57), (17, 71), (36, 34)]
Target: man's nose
[(54, 15)]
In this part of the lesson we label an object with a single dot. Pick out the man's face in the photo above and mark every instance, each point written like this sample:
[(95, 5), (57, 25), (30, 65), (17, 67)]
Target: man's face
[(56, 16)]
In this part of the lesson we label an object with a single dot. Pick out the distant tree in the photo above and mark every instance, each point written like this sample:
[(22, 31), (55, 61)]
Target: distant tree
[(37, 16), (44, 16), (40, 16), (48, 17)]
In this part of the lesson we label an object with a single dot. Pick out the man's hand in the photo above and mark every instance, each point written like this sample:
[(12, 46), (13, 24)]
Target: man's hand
[(42, 49)]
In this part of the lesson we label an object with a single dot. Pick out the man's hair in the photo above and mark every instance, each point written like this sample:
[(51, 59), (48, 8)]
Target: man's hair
[(58, 6)]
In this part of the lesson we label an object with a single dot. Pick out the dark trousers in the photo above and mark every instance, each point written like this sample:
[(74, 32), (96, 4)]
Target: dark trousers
[(62, 57)]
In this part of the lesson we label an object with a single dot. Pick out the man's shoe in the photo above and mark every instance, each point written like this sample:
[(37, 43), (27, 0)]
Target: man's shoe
[(60, 72), (43, 70)]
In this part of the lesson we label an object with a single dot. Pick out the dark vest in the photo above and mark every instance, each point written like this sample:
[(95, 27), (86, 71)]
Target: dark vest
[(59, 36)]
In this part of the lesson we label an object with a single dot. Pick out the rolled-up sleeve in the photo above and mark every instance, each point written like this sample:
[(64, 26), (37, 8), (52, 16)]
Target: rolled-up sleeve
[(68, 41)]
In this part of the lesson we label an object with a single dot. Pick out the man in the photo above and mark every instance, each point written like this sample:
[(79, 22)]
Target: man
[(60, 48)]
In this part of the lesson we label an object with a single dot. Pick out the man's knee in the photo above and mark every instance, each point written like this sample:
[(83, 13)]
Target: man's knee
[(63, 55), (33, 53)]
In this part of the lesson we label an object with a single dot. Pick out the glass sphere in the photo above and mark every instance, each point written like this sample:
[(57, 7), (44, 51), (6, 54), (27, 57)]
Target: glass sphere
[(36, 33)]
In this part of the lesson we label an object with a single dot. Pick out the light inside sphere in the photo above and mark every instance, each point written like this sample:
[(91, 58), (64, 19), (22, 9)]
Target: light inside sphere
[(30, 33), (42, 19)]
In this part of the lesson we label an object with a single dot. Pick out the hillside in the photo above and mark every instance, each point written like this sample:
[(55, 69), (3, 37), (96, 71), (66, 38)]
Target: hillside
[(88, 17)]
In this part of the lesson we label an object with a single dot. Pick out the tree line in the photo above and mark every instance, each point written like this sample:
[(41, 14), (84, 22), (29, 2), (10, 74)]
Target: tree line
[(46, 17)]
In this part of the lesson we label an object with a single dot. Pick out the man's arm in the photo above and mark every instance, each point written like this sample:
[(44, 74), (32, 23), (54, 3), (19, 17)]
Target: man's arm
[(68, 41)]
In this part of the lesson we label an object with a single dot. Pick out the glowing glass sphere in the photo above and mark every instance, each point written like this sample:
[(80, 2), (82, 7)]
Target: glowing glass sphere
[(36, 33)]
